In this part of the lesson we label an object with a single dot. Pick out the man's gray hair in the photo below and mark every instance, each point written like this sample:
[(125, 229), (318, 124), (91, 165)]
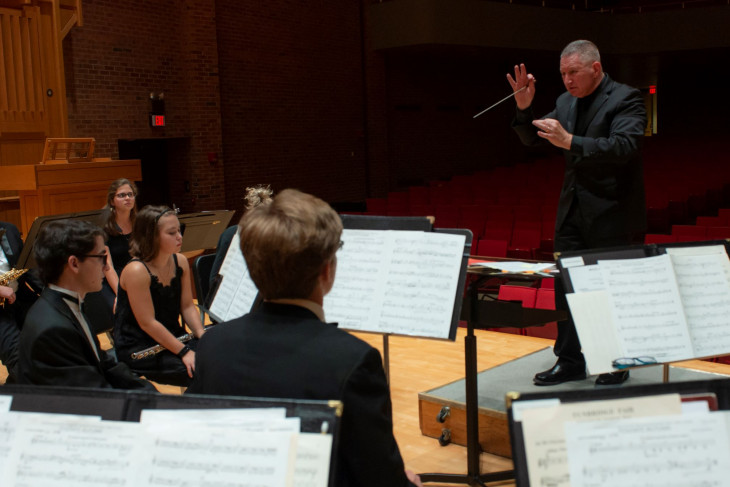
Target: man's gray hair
[(586, 50)]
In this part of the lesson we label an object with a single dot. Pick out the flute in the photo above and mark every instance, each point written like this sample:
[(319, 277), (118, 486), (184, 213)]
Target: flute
[(154, 350)]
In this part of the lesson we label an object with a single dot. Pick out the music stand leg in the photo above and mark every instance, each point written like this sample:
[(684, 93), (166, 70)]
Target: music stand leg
[(386, 358), (473, 449)]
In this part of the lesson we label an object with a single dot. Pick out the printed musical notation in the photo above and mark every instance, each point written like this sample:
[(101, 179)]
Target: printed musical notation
[(671, 307), (548, 455), (235, 448), (236, 292), (396, 282), (70, 451), (685, 450)]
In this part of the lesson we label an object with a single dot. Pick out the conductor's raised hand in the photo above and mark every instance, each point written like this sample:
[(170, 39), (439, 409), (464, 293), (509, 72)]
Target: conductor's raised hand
[(522, 80)]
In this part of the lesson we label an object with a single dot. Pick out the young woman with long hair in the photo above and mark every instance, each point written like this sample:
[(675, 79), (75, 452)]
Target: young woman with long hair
[(154, 291)]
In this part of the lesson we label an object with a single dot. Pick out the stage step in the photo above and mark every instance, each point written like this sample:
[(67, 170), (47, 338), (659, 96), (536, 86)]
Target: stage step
[(516, 375)]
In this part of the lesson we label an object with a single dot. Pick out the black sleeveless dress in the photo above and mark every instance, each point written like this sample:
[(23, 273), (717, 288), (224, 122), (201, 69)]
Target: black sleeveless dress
[(165, 367)]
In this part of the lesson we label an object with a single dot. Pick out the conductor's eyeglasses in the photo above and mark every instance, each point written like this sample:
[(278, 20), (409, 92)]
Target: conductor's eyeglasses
[(121, 196)]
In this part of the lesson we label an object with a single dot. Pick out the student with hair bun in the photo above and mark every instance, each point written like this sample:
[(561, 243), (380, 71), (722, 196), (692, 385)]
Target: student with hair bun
[(154, 292)]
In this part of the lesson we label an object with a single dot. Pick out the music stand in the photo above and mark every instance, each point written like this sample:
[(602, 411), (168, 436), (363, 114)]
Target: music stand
[(317, 416), (480, 313), (202, 230), (415, 224), (717, 388), (26, 260)]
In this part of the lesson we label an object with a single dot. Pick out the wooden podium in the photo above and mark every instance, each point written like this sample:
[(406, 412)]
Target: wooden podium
[(51, 189)]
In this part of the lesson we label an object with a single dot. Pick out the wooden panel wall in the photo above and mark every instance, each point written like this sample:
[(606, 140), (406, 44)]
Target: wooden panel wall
[(32, 89), (22, 106)]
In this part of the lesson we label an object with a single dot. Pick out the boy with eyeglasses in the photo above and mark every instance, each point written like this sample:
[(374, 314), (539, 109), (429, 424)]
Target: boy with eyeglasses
[(57, 345)]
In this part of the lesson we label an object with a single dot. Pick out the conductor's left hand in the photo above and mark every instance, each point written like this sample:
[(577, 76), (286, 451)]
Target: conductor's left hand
[(554, 132)]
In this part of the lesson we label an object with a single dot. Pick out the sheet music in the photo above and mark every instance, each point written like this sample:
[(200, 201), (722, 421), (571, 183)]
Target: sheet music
[(5, 402), (214, 456), (313, 460), (544, 433), (248, 425), (703, 285), (396, 282), (237, 292), (71, 452), (592, 316), (313, 451), (8, 423), (704, 250), (586, 278), (647, 308), (684, 451), (211, 416), (236, 448)]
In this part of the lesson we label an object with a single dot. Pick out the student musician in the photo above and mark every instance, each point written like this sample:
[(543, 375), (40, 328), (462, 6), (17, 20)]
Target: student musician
[(17, 294), (154, 291), (286, 348), (57, 345), (121, 203), (121, 210)]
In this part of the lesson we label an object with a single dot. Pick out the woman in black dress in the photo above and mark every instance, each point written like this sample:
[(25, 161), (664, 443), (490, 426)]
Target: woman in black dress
[(121, 203), (154, 291), (119, 217)]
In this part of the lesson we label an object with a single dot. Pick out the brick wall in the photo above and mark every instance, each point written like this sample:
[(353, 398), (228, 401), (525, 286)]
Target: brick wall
[(292, 97), (127, 50)]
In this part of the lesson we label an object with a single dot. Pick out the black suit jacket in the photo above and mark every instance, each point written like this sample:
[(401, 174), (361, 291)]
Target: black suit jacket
[(54, 350), (284, 351), (13, 315), (603, 168), (12, 244)]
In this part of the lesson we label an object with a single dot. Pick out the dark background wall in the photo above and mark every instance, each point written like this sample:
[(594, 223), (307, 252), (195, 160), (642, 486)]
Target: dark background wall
[(353, 99)]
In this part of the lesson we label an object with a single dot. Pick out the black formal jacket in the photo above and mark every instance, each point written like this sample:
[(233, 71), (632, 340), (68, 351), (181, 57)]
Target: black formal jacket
[(13, 315), (603, 168), (54, 351), (285, 351), (12, 245), (15, 243)]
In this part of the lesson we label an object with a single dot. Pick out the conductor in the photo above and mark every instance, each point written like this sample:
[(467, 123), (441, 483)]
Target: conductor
[(599, 124)]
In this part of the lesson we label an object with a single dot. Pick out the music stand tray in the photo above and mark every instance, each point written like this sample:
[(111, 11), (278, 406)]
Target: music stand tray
[(202, 230), (26, 260)]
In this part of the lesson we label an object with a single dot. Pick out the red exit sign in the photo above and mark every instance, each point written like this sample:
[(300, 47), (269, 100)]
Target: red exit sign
[(157, 120)]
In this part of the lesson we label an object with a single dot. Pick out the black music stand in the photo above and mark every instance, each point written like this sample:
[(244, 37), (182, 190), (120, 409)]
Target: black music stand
[(202, 230), (373, 222), (26, 260), (317, 416), (508, 315), (717, 388), (638, 251)]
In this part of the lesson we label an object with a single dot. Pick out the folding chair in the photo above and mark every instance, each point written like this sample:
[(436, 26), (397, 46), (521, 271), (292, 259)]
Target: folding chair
[(201, 278)]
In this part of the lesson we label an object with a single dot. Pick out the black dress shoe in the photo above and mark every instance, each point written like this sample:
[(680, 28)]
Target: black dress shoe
[(560, 373), (612, 378)]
